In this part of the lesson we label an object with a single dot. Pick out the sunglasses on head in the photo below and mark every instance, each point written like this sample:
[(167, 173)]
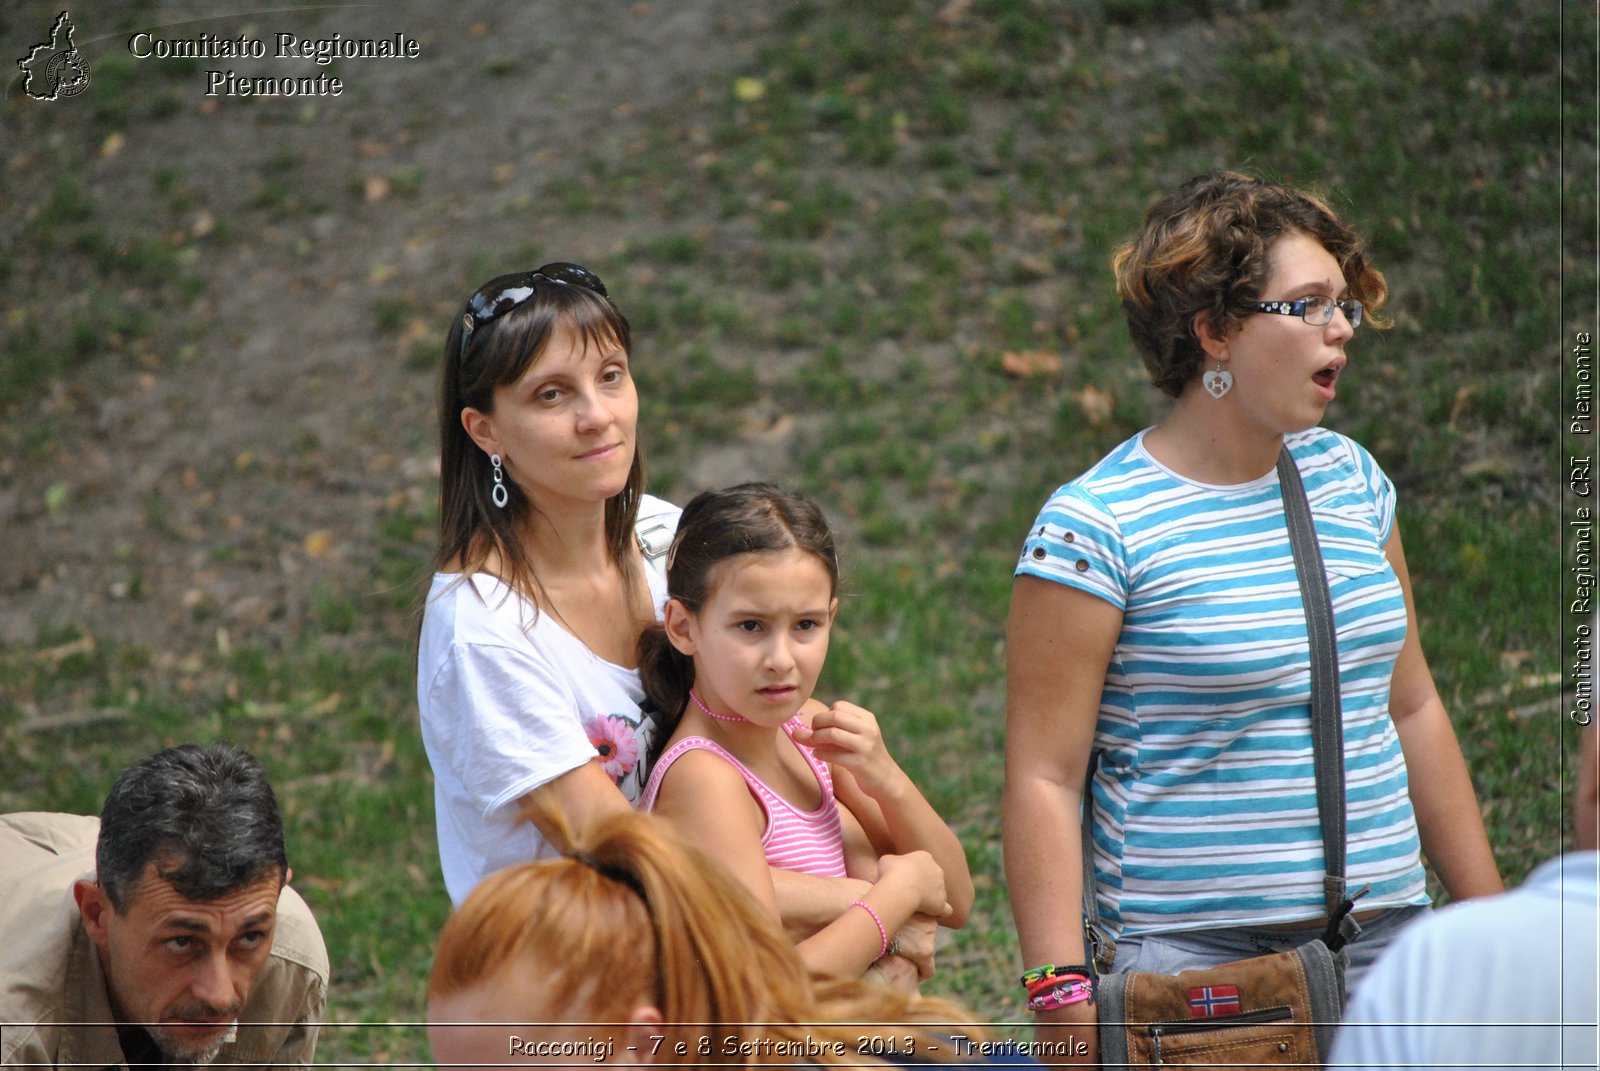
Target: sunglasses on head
[(503, 293)]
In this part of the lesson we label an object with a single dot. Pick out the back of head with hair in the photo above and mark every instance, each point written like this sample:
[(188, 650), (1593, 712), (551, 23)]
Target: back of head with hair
[(499, 353), (637, 917), (205, 815), (716, 526), (1203, 251)]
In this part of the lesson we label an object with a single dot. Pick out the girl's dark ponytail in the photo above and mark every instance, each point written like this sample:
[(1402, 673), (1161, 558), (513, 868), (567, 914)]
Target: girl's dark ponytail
[(666, 674)]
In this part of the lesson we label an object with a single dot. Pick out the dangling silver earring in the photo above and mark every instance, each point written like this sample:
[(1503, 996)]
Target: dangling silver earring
[(498, 492), (1218, 381)]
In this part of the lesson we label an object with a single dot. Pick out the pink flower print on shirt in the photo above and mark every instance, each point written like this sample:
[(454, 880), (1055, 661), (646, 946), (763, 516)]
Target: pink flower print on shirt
[(614, 742)]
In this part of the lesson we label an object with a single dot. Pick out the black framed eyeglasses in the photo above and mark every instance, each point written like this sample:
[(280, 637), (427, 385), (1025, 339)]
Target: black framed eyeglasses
[(1315, 311), (503, 293)]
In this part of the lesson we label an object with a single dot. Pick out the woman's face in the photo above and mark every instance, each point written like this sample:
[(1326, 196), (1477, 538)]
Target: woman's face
[(566, 429), (513, 1017), (1284, 369)]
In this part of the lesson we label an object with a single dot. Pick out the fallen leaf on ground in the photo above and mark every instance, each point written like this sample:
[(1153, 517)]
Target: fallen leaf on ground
[(1033, 267), (1025, 363), (1096, 405), (761, 432), (319, 543)]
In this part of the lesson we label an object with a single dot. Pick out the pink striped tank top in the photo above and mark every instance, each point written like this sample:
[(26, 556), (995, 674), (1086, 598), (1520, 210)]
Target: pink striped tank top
[(811, 842)]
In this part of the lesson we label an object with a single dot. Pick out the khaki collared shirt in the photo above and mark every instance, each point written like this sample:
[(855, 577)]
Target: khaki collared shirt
[(53, 1000)]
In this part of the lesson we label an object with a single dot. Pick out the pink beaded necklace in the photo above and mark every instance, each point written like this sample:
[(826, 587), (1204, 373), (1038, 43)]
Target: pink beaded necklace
[(711, 713)]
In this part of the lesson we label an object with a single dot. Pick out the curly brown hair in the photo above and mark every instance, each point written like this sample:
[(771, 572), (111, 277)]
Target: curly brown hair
[(1203, 250)]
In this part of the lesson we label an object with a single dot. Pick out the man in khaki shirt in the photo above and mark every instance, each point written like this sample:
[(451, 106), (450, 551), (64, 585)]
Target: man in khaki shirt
[(163, 932)]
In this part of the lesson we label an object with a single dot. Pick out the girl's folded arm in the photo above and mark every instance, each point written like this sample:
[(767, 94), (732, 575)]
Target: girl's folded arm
[(860, 850), (709, 803), (887, 803), (809, 902), (805, 902), (904, 822)]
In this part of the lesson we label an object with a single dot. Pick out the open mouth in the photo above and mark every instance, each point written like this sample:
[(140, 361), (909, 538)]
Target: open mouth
[(1327, 376)]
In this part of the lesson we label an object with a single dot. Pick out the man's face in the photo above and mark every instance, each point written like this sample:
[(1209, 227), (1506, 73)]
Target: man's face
[(182, 968)]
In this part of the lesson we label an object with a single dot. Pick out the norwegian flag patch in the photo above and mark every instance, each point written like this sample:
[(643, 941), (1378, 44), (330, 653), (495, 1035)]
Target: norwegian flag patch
[(1210, 1000)]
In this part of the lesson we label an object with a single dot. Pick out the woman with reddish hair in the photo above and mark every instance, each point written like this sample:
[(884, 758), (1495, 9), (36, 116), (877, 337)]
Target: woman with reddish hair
[(638, 948)]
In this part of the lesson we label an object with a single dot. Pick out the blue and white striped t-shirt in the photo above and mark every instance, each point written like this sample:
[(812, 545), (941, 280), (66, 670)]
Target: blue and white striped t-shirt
[(1205, 796)]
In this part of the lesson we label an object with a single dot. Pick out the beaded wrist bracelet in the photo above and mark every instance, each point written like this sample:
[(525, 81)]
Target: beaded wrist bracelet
[(883, 934)]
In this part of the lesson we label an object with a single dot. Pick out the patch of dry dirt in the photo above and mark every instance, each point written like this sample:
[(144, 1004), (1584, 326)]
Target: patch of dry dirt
[(216, 473)]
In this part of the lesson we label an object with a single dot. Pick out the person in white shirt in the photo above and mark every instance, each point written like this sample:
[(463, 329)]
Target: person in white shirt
[(1505, 981), (549, 566), (526, 677)]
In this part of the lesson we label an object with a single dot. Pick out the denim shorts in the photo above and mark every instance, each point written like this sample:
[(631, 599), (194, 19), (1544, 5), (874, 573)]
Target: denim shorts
[(1168, 953)]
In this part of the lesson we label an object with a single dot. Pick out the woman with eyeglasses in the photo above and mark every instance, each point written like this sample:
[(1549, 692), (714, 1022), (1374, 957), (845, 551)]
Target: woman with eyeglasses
[(639, 949), (547, 570), (1157, 645)]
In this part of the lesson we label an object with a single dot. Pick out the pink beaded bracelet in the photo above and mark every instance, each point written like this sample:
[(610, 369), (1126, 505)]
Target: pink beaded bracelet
[(883, 948)]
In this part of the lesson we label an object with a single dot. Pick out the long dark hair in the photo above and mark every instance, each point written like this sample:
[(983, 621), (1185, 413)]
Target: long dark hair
[(715, 526), (497, 353)]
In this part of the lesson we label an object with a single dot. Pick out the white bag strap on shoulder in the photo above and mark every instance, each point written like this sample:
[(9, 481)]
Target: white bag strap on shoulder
[(655, 539), (655, 528)]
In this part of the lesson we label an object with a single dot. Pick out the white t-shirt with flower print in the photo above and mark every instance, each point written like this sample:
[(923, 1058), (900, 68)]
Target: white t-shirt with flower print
[(511, 700)]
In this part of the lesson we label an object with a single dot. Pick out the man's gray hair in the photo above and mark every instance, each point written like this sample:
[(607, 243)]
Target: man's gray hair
[(205, 815)]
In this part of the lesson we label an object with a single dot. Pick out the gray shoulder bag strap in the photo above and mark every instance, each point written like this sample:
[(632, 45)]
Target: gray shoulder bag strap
[(1327, 720), (1327, 731)]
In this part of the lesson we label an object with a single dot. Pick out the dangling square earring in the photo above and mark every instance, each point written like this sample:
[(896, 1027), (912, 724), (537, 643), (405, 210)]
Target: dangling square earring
[(1218, 381)]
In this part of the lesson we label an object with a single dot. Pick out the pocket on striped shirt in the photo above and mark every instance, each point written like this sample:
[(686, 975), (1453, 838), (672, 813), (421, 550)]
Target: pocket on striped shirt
[(1352, 562)]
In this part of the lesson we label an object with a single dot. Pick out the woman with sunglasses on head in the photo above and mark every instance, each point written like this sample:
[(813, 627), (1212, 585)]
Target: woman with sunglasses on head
[(1157, 644), (544, 574), (638, 948), (550, 564)]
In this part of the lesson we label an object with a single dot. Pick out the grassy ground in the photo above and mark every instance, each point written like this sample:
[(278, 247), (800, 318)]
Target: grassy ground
[(875, 264)]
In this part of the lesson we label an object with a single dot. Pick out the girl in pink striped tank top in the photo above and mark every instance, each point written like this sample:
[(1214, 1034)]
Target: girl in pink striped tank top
[(761, 775)]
